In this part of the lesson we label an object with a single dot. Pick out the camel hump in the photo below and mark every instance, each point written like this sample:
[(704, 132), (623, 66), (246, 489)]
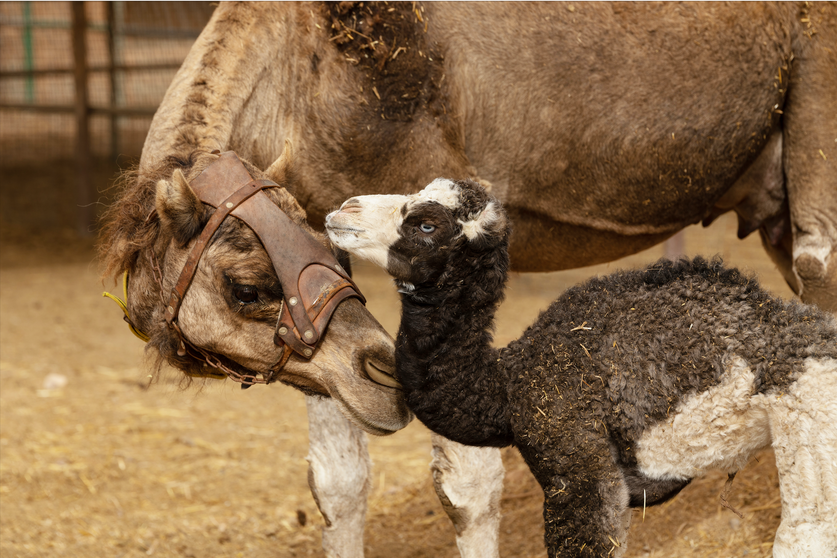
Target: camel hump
[(387, 43)]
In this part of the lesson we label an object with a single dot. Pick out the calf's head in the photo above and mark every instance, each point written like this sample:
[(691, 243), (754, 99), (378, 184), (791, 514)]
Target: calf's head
[(430, 238)]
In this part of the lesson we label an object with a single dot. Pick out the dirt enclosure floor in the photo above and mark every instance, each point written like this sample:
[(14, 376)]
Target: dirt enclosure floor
[(97, 462)]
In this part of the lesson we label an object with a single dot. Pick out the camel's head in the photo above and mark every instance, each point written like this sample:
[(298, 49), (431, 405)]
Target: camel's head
[(428, 238), (237, 294)]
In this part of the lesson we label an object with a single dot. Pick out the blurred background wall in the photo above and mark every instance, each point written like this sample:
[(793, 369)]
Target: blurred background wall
[(79, 83)]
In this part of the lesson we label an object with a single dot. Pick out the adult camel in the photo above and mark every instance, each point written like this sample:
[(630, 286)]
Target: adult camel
[(604, 129)]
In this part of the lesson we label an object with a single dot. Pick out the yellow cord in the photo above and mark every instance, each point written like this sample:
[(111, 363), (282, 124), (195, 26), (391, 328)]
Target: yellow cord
[(145, 338), (124, 308)]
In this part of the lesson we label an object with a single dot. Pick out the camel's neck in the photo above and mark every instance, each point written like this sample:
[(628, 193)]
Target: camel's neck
[(225, 96), (452, 376)]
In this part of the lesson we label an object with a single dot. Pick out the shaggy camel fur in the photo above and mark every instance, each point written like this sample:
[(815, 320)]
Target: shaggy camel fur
[(613, 125), (624, 389)]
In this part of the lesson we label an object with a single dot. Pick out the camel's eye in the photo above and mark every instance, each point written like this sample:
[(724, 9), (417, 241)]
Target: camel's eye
[(245, 294), (427, 228)]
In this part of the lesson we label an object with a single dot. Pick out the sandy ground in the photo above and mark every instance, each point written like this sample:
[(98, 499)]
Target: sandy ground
[(95, 462)]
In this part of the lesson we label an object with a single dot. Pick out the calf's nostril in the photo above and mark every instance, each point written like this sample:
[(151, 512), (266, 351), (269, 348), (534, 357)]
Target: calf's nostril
[(352, 205)]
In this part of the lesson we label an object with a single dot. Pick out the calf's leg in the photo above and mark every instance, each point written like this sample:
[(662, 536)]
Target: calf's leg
[(586, 512), (804, 426), (585, 507)]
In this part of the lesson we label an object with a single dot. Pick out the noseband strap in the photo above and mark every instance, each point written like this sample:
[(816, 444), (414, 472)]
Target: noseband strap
[(313, 282)]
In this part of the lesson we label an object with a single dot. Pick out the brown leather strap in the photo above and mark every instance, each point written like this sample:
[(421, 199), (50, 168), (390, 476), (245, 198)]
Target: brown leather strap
[(291, 249), (225, 208), (334, 291)]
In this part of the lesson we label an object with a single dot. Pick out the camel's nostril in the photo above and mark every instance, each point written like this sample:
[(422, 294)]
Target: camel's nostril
[(381, 374)]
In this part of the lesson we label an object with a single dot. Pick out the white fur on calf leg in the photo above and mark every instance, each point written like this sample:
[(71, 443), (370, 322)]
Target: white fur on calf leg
[(804, 425), (338, 474), (469, 482)]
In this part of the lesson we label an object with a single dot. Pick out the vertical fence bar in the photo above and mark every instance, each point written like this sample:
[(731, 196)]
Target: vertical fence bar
[(82, 108), (28, 52), (114, 101)]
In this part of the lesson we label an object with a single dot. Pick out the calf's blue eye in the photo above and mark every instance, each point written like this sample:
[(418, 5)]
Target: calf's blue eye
[(425, 228)]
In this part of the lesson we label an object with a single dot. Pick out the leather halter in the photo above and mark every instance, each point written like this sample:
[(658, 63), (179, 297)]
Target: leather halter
[(313, 282)]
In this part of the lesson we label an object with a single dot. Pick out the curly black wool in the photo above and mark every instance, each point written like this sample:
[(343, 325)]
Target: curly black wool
[(608, 360)]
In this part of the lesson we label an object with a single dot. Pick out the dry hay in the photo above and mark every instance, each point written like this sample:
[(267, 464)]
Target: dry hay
[(386, 41)]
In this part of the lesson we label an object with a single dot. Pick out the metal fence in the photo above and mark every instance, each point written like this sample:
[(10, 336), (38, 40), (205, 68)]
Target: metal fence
[(80, 81)]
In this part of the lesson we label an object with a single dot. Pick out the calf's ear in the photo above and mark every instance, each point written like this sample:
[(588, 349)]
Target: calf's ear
[(487, 228), (179, 207)]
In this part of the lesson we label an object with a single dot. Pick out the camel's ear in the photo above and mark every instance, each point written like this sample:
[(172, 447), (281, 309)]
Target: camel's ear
[(282, 170), (179, 207)]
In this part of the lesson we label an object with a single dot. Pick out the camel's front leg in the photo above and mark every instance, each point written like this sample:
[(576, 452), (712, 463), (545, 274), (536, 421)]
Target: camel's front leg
[(469, 482), (338, 474)]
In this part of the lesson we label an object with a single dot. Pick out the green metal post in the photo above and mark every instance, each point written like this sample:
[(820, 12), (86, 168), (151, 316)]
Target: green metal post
[(28, 53)]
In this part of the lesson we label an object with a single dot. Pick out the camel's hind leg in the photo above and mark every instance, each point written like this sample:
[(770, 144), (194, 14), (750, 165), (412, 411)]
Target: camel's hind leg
[(469, 482), (804, 427), (338, 474), (810, 156)]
